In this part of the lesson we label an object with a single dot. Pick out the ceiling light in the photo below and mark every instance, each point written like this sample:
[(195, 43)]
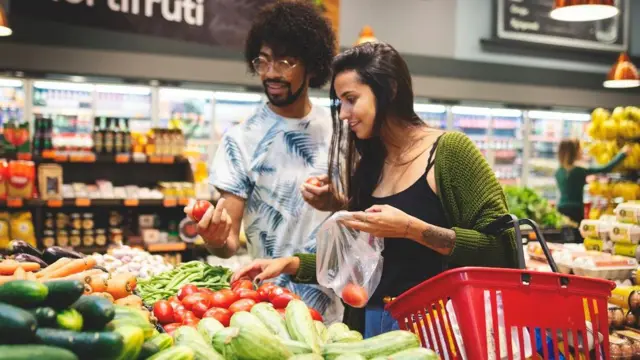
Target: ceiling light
[(623, 74), (366, 35), (583, 10), (5, 30)]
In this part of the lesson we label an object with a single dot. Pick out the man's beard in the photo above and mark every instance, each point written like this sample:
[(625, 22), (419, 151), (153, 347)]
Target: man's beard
[(290, 97)]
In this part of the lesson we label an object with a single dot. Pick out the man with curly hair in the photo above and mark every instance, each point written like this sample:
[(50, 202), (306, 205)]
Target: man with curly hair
[(263, 162)]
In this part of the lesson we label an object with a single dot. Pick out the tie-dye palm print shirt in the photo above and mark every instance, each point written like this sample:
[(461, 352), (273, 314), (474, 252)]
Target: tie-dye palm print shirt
[(264, 161)]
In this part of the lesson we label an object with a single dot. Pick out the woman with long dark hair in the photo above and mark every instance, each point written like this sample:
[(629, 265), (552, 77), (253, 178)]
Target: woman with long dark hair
[(430, 194)]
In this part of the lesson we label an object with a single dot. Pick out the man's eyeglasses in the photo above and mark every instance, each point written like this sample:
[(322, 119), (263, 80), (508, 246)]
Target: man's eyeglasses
[(262, 66)]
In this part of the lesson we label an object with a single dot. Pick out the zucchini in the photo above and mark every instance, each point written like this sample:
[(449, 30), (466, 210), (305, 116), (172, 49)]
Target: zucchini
[(23, 293), (411, 354), (351, 357), (246, 319), (300, 324), (155, 345), (203, 350), (306, 357), (63, 293), (90, 345), (336, 331), (247, 343), (45, 316), (69, 319), (349, 336), (272, 319), (174, 353), (381, 345), (130, 316), (321, 330), (133, 338), (17, 326), (297, 347), (208, 327), (96, 311), (33, 352)]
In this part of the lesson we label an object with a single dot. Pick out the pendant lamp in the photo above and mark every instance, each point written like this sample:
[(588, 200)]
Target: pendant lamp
[(623, 74), (366, 35), (5, 30), (583, 10)]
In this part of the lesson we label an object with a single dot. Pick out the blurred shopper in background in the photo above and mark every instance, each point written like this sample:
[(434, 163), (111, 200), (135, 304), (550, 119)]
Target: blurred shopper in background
[(262, 162), (571, 178)]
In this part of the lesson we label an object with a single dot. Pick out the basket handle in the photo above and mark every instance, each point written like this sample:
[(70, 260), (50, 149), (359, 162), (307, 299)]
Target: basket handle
[(543, 243)]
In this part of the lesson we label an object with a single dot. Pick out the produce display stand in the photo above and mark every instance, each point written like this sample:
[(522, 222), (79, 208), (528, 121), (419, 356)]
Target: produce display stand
[(483, 313)]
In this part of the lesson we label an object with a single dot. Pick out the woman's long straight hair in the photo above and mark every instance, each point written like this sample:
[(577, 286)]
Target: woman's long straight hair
[(355, 165)]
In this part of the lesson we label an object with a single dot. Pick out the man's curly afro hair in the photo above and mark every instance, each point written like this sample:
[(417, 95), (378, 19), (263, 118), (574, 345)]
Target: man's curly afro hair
[(297, 29)]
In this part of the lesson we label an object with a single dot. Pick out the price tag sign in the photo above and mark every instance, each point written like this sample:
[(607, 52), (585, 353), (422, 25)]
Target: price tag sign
[(25, 156), (48, 154), (82, 158), (54, 203), (169, 202), (123, 158), (183, 201), (61, 158), (155, 159), (168, 159), (83, 202), (15, 202), (131, 202)]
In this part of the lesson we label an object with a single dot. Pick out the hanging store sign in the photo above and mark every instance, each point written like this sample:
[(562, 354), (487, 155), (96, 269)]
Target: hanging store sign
[(216, 22), (529, 21)]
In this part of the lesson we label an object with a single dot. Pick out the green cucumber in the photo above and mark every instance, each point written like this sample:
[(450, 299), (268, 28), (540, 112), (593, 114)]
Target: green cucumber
[(92, 345), (33, 352), (381, 345), (411, 354), (129, 316), (208, 327), (349, 336), (17, 326), (243, 319), (190, 337), (174, 353), (336, 331), (133, 338), (23, 293), (69, 319), (272, 319), (63, 293), (155, 345), (300, 324), (248, 343), (351, 357), (321, 330), (297, 347), (45, 316), (96, 311)]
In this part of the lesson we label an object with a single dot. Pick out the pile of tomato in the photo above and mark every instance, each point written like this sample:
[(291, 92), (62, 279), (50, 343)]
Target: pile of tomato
[(192, 303)]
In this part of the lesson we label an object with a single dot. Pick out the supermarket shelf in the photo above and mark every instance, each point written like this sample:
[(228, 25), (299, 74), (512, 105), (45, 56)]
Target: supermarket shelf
[(101, 159), (167, 247), (80, 202)]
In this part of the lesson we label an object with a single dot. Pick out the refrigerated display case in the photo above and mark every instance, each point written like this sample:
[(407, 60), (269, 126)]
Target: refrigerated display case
[(473, 121), (507, 145), (11, 100), (232, 108), (434, 116), (125, 103)]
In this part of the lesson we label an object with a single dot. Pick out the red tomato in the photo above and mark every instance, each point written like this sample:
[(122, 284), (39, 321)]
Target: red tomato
[(186, 291), (200, 308), (178, 314), (170, 328), (355, 295), (199, 209), (224, 298), (315, 315), (242, 305), (242, 284), (264, 289), (281, 301), (248, 294), (313, 181), (190, 319), (206, 291), (276, 290), (173, 298), (222, 315), (163, 311), (192, 299)]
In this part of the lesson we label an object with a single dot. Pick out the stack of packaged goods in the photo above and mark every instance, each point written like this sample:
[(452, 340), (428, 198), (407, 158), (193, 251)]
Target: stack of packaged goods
[(625, 232), (624, 322), (596, 233)]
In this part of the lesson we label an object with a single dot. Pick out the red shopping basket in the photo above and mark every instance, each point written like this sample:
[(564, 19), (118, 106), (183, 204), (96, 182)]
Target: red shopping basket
[(499, 312)]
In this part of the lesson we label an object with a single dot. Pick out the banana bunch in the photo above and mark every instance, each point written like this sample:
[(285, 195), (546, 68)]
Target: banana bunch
[(627, 190), (632, 161), (603, 151), (624, 122)]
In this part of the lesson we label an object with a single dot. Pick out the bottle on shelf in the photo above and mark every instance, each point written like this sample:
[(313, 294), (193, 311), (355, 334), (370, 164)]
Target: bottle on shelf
[(118, 140), (98, 135), (109, 136), (126, 135)]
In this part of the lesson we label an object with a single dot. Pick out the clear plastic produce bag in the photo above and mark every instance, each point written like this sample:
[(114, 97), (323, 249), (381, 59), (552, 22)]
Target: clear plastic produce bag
[(348, 261)]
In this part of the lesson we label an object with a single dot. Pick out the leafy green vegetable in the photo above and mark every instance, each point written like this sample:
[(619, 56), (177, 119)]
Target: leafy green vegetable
[(526, 203)]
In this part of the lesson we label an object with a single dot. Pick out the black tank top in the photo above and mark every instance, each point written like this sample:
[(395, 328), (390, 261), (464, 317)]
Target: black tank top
[(407, 263)]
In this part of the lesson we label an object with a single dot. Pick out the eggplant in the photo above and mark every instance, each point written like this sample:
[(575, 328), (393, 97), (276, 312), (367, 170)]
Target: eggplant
[(54, 253), (23, 247), (30, 258)]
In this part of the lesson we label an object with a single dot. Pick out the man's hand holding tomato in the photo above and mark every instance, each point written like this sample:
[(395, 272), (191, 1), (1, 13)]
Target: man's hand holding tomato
[(316, 191), (214, 225)]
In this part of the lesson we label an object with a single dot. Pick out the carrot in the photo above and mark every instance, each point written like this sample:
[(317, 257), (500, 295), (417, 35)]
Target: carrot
[(131, 279), (73, 267), (97, 282), (105, 295), (119, 287), (29, 266), (8, 267), (87, 289), (53, 267), (82, 275), (19, 274), (133, 301)]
